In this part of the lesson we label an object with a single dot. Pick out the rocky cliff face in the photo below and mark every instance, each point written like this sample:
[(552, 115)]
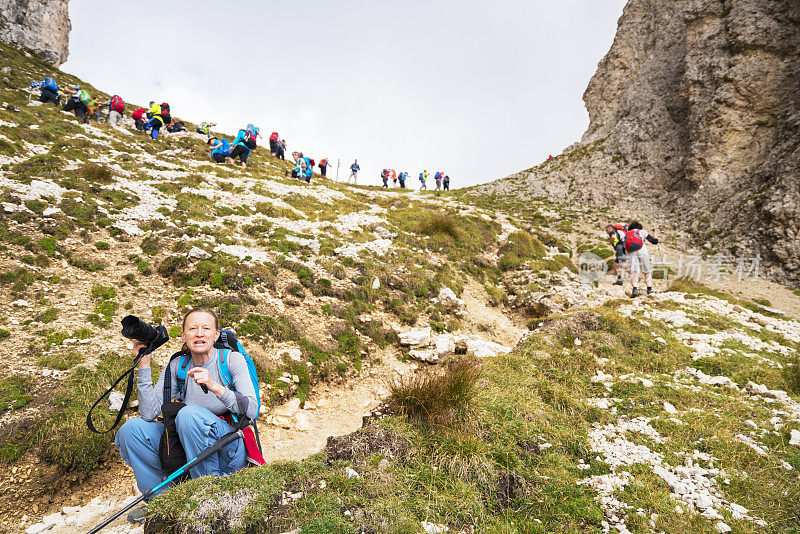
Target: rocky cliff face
[(42, 26), (696, 109)]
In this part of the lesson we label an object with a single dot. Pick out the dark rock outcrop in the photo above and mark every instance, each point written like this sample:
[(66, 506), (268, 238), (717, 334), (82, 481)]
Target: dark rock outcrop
[(694, 112)]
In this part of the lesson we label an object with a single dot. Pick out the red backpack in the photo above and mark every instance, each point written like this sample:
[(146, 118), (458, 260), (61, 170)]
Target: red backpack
[(117, 104), (274, 136), (323, 163), (633, 241), (312, 162)]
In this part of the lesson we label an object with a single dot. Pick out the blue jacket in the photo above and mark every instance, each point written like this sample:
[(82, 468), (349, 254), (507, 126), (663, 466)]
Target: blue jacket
[(224, 149), (239, 141), (355, 167)]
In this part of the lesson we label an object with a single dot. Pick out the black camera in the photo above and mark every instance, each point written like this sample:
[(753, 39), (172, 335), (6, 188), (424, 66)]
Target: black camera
[(153, 337)]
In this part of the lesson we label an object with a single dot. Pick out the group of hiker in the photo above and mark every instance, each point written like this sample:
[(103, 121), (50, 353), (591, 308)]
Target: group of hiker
[(630, 247), (399, 178), (157, 116), (84, 106)]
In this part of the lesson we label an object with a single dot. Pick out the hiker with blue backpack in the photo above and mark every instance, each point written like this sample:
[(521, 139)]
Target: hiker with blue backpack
[(205, 392), (402, 178), (245, 142), (49, 91), (423, 176), (638, 257), (300, 170)]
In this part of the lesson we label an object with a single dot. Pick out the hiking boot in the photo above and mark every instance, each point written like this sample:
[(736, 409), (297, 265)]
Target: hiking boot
[(137, 515), (618, 282), (649, 290), (634, 292)]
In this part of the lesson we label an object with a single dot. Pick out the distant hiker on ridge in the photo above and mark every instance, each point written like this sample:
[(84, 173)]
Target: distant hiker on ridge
[(402, 178), (438, 178), (354, 168), (446, 183), (273, 143), (323, 166), (281, 149), (299, 170), (422, 177), (394, 178), (636, 250), (385, 177), (205, 128)]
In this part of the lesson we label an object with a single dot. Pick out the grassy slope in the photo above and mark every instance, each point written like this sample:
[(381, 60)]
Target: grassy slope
[(539, 394)]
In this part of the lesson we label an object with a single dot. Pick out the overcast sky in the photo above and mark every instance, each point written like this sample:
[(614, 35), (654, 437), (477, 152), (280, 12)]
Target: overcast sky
[(476, 89)]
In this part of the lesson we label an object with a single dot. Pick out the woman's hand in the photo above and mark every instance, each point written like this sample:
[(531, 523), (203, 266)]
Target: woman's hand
[(144, 363), (201, 377)]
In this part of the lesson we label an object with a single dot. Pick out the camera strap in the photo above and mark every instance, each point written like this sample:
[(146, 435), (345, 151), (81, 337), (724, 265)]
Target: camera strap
[(128, 392)]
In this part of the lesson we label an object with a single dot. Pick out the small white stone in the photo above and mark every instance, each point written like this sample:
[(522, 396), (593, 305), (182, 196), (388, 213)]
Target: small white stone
[(351, 473), (669, 408), (376, 284), (722, 527), (433, 528), (794, 438), (37, 528)]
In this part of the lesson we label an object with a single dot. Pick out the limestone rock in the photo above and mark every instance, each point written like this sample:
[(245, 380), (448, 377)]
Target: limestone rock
[(424, 355), (449, 300), (417, 337), (198, 253), (43, 26)]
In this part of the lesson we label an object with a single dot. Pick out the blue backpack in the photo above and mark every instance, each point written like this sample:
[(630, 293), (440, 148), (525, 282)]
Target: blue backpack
[(51, 85), (309, 168), (226, 343)]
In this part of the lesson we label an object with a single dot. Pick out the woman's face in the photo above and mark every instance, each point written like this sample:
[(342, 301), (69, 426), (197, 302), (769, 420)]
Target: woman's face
[(199, 332)]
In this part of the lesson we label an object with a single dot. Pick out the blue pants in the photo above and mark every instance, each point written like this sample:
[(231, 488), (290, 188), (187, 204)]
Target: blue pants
[(198, 428)]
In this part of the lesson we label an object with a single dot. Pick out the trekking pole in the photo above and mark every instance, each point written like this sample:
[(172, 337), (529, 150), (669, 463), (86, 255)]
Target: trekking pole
[(215, 447)]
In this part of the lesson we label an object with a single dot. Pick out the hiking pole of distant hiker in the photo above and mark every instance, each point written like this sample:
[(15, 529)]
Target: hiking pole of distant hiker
[(215, 447)]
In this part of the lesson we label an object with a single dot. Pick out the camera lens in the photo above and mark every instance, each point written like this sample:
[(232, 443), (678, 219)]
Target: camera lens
[(135, 328)]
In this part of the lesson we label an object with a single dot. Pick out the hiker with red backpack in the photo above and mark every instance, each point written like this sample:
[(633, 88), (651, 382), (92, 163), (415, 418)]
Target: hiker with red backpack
[(323, 166), (273, 143), (203, 391), (116, 107), (245, 142), (638, 257), (138, 117)]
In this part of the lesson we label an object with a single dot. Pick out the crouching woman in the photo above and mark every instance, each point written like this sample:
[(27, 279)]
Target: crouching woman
[(199, 424)]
